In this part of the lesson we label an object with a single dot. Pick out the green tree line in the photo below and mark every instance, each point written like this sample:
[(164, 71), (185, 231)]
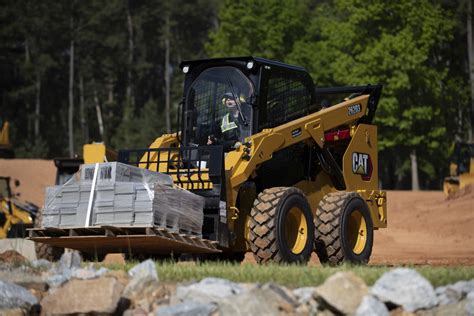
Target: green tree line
[(81, 71)]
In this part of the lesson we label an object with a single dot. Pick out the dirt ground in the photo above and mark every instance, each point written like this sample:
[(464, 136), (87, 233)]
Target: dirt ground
[(34, 175), (426, 228), (423, 227)]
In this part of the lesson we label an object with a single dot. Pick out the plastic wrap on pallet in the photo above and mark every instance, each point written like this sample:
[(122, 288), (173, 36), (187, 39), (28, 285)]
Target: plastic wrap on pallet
[(178, 209)]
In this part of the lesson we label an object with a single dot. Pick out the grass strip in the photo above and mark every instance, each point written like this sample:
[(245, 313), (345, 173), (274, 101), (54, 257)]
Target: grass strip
[(291, 275)]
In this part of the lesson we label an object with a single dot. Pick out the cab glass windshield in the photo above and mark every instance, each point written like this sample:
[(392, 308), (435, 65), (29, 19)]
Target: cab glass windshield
[(219, 99)]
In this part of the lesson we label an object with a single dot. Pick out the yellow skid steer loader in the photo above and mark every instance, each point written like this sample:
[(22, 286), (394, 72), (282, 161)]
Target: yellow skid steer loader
[(285, 168)]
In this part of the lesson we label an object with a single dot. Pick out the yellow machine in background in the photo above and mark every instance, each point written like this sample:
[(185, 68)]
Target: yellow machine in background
[(91, 153), (15, 216), (461, 168), (6, 150)]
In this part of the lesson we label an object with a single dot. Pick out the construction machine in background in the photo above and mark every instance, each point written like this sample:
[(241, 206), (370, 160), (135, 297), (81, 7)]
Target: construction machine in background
[(91, 153), (15, 216), (303, 175), (6, 149), (461, 168)]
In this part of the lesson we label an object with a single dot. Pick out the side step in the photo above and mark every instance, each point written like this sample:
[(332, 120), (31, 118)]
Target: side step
[(123, 239)]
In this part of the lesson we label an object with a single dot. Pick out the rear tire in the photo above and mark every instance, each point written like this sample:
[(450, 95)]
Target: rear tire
[(45, 251), (281, 226), (343, 229)]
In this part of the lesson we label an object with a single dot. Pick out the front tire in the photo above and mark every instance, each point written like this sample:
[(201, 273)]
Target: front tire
[(281, 226), (344, 230)]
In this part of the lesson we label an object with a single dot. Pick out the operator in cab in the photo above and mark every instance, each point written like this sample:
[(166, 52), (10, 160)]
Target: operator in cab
[(232, 126)]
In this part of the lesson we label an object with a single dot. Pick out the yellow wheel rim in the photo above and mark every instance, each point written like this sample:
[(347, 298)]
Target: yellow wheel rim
[(296, 230), (357, 232)]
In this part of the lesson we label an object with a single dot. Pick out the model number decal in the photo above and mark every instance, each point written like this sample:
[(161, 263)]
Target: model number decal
[(354, 109)]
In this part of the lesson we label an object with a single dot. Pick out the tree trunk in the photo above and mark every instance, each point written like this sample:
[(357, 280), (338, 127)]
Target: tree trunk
[(415, 185), (98, 111), (167, 75), (470, 48), (110, 91), (130, 55), (71, 100), (27, 51), (82, 106), (37, 107)]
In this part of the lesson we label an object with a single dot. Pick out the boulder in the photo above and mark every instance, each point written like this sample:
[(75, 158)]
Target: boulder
[(208, 290), (84, 296), (304, 294), (370, 306), (457, 309), (41, 264), (70, 259), (453, 293), (406, 288), (88, 273), (23, 277), (14, 296), (342, 292), (269, 299), (57, 280), (12, 256), (448, 295), (306, 297), (142, 275), (187, 308)]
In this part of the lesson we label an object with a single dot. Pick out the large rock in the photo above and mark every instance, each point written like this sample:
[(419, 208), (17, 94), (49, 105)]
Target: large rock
[(23, 277), (41, 264), (70, 259), (88, 273), (448, 295), (142, 275), (208, 290), (188, 308), (406, 288), (371, 306), (453, 293), (15, 296), (306, 297), (342, 292), (84, 296), (304, 294), (269, 299), (457, 309)]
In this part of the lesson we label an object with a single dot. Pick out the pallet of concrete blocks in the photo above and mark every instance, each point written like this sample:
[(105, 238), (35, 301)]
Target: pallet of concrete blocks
[(178, 210), (66, 205)]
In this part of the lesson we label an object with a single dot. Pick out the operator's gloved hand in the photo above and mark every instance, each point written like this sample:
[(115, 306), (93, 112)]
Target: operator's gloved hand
[(237, 145)]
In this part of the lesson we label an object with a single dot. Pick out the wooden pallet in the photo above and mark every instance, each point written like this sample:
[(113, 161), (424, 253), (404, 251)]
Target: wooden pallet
[(124, 239)]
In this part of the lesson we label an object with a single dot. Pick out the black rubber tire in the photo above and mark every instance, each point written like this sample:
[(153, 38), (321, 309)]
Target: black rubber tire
[(45, 251), (331, 229), (267, 226)]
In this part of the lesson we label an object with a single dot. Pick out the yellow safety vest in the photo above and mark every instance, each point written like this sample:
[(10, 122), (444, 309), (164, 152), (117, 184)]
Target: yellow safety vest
[(227, 124)]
